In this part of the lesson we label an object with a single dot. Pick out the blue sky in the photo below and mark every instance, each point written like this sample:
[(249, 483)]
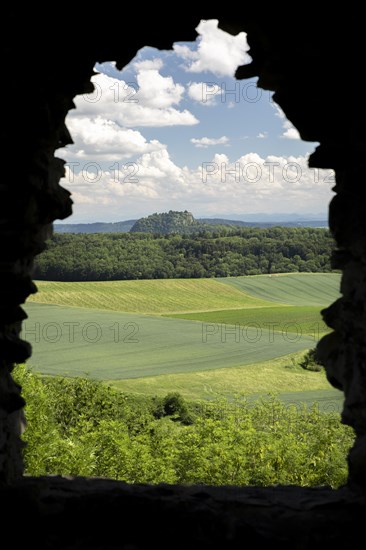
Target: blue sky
[(174, 130)]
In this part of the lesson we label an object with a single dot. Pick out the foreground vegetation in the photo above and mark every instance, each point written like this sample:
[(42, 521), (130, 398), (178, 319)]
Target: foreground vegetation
[(221, 252), (81, 427)]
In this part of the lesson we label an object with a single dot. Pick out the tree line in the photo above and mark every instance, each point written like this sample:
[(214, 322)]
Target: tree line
[(224, 252)]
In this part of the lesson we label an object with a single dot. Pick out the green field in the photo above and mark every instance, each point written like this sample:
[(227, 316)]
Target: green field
[(151, 296), (281, 376), (202, 337), (116, 345), (292, 319), (298, 289)]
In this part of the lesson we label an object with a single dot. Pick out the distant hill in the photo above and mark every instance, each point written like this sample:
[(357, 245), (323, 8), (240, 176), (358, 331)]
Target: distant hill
[(97, 227), (184, 222), (167, 223), (177, 222), (264, 224)]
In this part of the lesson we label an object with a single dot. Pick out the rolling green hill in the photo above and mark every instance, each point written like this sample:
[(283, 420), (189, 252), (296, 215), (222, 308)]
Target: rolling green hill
[(201, 337), (114, 345), (292, 319), (190, 295), (150, 296), (299, 289)]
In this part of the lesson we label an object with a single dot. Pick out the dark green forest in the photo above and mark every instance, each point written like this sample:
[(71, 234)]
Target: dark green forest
[(220, 252), (78, 426)]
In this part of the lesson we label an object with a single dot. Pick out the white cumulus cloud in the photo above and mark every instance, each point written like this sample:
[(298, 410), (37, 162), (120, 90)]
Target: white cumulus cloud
[(101, 126), (217, 51), (291, 133), (153, 183), (157, 91), (100, 137), (205, 141), (151, 100), (205, 93), (148, 64)]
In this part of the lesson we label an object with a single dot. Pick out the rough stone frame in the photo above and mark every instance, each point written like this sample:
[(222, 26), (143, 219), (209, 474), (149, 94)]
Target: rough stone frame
[(301, 61)]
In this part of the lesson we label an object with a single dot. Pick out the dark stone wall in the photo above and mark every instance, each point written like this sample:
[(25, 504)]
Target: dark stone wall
[(99, 514), (311, 61)]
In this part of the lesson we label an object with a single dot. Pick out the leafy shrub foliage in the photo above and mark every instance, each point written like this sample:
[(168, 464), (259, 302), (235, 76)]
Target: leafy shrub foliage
[(82, 427), (310, 361)]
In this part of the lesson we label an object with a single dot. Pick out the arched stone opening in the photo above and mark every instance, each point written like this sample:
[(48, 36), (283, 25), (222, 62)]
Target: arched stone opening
[(303, 62)]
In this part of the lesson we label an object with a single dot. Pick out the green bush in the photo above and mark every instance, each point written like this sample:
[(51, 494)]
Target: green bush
[(82, 427), (174, 406), (310, 361)]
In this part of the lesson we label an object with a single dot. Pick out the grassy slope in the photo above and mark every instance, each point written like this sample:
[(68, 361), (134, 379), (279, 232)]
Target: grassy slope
[(295, 319), (150, 296), (171, 356), (192, 295), (298, 289), (76, 341), (280, 375)]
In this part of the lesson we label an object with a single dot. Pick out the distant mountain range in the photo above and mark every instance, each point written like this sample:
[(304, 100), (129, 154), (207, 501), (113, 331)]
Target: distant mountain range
[(181, 221), (269, 223)]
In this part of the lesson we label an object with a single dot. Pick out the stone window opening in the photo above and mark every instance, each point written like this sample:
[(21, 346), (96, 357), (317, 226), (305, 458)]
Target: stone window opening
[(30, 203)]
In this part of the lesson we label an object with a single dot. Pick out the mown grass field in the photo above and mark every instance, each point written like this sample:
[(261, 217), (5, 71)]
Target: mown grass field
[(298, 320), (150, 296), (282, 376), (298, 289), (201, 337), (116, 345)]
